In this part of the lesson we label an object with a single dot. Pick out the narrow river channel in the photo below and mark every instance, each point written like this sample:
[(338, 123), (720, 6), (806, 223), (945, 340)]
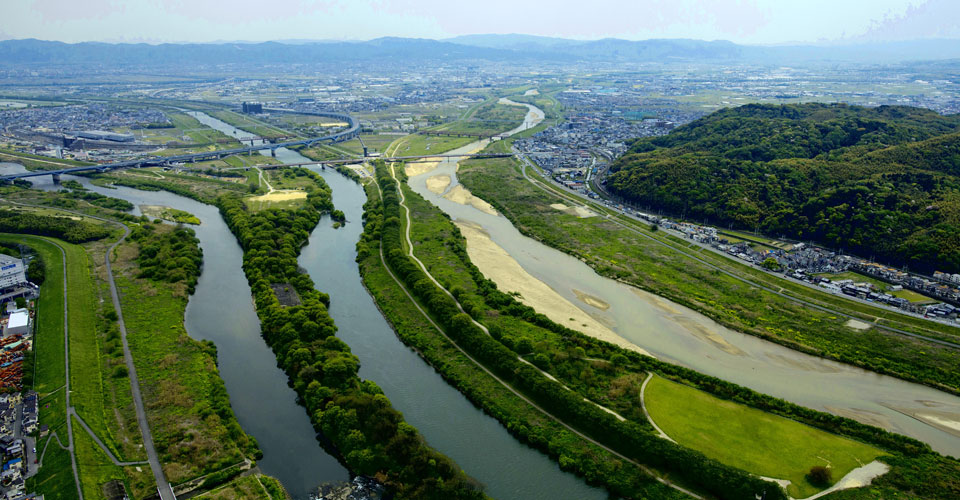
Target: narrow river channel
[(680, 335), (221, 310)]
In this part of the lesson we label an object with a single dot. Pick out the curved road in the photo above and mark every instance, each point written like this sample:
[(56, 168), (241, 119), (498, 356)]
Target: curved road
[(163, 486)]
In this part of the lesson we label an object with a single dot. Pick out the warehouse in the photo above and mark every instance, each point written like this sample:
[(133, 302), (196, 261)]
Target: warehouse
[(18, 323)]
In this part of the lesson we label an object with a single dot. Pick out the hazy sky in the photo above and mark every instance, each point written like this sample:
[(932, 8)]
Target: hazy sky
[(743, 21)]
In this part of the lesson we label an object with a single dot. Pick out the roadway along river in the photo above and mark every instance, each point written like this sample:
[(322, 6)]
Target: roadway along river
[(680, 335)]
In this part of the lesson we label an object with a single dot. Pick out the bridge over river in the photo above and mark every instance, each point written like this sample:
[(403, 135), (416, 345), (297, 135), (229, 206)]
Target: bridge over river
[(352, 131)]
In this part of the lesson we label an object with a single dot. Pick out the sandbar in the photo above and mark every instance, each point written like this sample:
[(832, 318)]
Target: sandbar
[(496, 264), (420, 168), (438, 183), (461, 195), (281, 195)]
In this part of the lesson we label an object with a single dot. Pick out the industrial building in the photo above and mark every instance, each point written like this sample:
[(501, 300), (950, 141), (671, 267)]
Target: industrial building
[(252, 107), (18, 323), (12, 272), (101, 135)]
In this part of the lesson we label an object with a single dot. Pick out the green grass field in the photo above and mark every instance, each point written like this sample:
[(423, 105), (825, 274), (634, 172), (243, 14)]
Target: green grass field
[(750, 439), (88, 382), (414, 145), (94, 466), (48, 340), (55, 479), (193, 427)]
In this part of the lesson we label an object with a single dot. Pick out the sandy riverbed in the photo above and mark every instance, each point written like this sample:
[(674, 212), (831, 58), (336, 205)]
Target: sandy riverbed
[(496, 264), (420, 168), (438, 183), (461, 195)]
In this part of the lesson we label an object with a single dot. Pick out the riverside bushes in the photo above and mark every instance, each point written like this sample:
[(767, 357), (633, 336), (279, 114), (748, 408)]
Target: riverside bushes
[(69, 230), (369, 435), (628, 438)]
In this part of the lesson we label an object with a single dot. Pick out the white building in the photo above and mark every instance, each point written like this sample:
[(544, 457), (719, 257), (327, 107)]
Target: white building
[(12, 272), (18, 323)]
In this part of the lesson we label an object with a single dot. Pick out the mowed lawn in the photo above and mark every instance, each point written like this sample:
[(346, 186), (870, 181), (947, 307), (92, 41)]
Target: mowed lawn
[(755, 441)]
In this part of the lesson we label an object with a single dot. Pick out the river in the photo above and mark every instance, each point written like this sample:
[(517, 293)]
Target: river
[(680, 335), (448, 421), (221, 310)]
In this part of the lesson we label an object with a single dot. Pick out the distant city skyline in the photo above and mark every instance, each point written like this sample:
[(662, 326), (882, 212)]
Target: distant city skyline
[(740, 21)]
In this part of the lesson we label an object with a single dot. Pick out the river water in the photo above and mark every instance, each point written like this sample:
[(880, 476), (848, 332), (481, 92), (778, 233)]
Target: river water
[(221, 310), (447, 420), (680, 335)]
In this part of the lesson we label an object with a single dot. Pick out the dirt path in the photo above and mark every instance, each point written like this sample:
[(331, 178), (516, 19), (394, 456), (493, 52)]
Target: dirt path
[(487, 332)]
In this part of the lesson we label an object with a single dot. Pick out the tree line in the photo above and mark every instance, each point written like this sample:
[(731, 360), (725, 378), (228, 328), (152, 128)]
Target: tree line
[(353, 417), (881, 182), (630, 438), (66, 229)]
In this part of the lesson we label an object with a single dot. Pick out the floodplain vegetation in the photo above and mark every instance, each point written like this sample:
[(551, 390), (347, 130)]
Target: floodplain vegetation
[(356, 420), (187, 406), (603, 374), (657, 263)]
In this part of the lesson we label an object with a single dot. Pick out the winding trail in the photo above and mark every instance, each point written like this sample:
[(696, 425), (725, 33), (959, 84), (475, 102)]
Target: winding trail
[(643, 405), (487, 370), (164, 488)]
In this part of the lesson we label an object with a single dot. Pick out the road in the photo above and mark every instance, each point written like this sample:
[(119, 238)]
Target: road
[(584, 201), (163, 486)]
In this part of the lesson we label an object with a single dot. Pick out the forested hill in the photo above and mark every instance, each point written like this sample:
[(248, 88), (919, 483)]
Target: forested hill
[(877, 182)]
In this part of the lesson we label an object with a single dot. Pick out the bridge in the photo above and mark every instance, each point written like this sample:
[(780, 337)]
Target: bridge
[(352, 131), (443, 133)]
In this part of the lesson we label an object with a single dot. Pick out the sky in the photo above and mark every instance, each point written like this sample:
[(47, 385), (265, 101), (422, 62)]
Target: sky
[(740, 21)]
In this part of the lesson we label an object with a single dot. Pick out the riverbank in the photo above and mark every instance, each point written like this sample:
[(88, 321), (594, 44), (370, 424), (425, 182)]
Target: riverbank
[(525, 421), (496, 264)]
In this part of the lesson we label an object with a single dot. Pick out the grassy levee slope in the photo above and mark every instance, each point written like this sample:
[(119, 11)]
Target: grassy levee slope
[(751, 439), (619, 253), (94, 391), (521, 419)]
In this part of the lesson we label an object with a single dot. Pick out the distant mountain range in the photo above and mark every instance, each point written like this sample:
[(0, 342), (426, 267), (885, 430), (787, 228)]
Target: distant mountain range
[(470, 47)]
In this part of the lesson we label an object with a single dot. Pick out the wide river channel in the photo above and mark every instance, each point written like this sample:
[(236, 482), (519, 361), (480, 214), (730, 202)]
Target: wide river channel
[(680, 335)]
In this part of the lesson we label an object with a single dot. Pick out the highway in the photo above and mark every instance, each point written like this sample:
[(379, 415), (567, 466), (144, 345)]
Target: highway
[(343, 135)]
